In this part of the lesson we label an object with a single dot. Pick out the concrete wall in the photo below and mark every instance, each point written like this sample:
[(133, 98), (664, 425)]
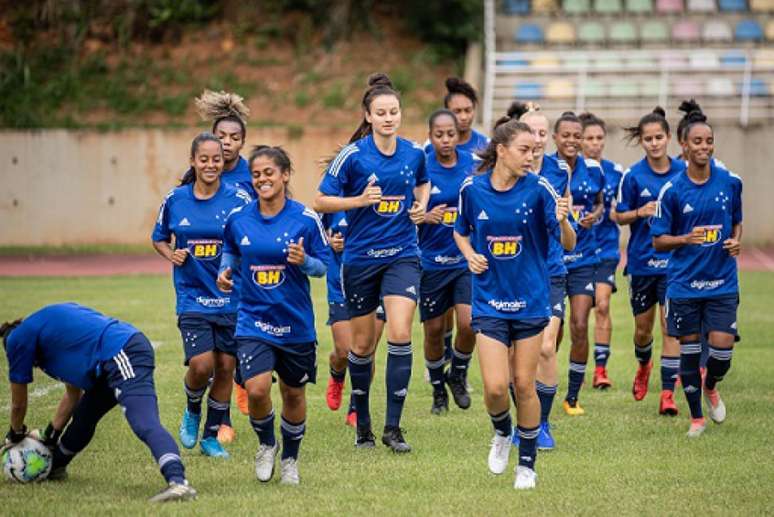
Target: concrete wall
[(74, 187)]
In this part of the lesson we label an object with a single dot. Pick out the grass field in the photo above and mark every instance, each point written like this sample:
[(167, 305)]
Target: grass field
[(619, 459)]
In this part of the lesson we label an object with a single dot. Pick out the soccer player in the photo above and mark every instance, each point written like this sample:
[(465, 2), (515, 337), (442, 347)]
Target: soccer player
[(274, 243), (699, 219), (608, 251), (646, 266), (112, 362), (194, 214), (445, 280), (461, 99), (506, 218), (379, 179), (587, 190)]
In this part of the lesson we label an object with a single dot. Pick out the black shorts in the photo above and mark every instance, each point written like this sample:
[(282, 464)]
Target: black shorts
[(295, 363), (365, 286), (203, 332), (337, 312), (687, 316), (580, 281), (440, 290), (557, 293), (507, 331), (645, 291), (605, 273)]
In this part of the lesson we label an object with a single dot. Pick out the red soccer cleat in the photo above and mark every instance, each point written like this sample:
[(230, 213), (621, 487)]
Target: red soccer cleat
[(351, 419), (601, 380), (667, 405), (641, 378), (333, 393), (241, 399)]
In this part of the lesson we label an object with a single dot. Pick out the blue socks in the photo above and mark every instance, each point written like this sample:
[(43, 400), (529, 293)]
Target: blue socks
[(194, 398), (576, 374), (670, 369), (601, 354), (215, 413), (360, 378), (546, 395), (502, 423), (338, 376), (292, 434), (690, 355), (718, 364), (264, 428), (643, 353), (527, 445), (459, 364), (435, 369), (447, 345), (398, 376)]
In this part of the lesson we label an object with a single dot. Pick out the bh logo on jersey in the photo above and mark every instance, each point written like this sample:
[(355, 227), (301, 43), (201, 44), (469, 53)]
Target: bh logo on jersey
[(712, 234), (389, 206), (449, 217), (504, 248), (205, 249), (268, 277)]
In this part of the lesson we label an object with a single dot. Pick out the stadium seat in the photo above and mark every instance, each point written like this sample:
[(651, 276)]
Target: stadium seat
[(547, 61), (594, 88), (654, 31), (732, 5), (717, 32), (701, 6), (575, 61), (516, 7), (608, 6), (650, 87), (607, 62), (758, 88), (685, 31), (639, 6), (770, 30), (720, 87), (591, 32), (513, 63), (704, 60), (673, 60), (528, 33), (528, 91), (560, 33), (685, 88), (764, 58), (640, 61), (669, 6), (576, 6), (622, 32), (748, 30), (545, 6), (624, 88), (762, 6), (733, 59), (560, 89)]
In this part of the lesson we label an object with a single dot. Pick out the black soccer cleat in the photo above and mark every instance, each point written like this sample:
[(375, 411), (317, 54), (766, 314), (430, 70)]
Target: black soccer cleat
[(459, 391), (393, 438), (364, 438), (440, 401)]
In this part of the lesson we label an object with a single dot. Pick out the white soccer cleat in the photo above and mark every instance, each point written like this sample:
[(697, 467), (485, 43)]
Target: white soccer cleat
[(716, 409), (499, 453), (264, 461), (526, 478), (289, 471), (175, 492), (698, 425)]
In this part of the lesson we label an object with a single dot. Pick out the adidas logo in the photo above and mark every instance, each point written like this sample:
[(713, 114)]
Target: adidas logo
[(185, 222), (245, 241), (733, 325), (304, 378), (687, 208), (358, 392), (435, 190), (558, 307), (401, 393), (590, 286), (645, 193), (690, 389), (373, 177), (343, 223), (411, 290), (611, 278), (482, 216)]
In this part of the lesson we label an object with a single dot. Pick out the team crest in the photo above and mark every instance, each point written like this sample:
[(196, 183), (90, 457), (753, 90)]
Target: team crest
[(578, 212), (449, 217), (712, 234), (268, 277), (504, 248), (205, 249), (389, 206)]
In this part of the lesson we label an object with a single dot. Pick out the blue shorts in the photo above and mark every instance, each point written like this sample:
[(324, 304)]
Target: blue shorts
[(442, 289), (130, 371), (645, 291), (507, 331), (687, 316), (337, 312), (207, 332), (581, 281), (380, 314), (557, 293), (365, 286), (604, 273), (295, 363)]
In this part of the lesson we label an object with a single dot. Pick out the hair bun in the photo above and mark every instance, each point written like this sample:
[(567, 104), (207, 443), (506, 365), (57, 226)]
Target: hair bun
[(567, 114), (695, 116), (517, 109), (455, 84), (689, 106), (379, 79), (658, 110), (212, 105)]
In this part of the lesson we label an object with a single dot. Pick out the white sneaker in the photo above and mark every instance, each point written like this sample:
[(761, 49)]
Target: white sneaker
[(289, 471), (499, 453), (526, 478), (175, 492), (697, 428), (716, 409), (264, 461)]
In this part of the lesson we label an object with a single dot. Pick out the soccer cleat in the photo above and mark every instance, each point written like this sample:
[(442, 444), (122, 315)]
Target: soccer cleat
[(499, 452), (698, 425), (289, 471), (364, 438), (175, 492), (333, 393), (716, 409), (392, 437), (641, 378), (459, 390), (264, 461), (545, 441), (351, 419), (189, 429), (601, 380), (211, 447), (440, 401), (226, 434), (526, 478), (241, 399), (574, 409), (667, 405), (57, 474)]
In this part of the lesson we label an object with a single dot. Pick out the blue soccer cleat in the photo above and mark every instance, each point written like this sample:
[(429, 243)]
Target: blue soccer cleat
[(211, 447), (515, 441), (545, 442), (189, 429)]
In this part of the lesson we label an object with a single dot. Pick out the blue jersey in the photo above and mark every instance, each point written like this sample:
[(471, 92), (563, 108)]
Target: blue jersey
[(335, 223), (557, 172), (67, 341), (275, 303), (197, 225), (701, 270), (477, 142), (586, 183), (512, 229), (383, 231), (608, 233), (436, 241), (640, 185), (239, 177)]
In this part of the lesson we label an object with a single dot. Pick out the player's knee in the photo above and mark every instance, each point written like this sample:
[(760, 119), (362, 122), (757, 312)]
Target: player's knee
[(434, 329), (524, 388), (293, 398), (642, 335), (580, 325), (602, 307), (257, 391), (548, 350), (201, 366), (496, 391)]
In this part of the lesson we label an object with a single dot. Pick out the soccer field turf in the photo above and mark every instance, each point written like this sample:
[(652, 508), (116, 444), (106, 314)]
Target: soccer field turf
[(620, 458)]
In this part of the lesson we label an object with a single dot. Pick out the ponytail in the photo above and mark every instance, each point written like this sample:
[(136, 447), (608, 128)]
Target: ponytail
[(589, 119), (457, 86), (688, 107), (657, 116), (505, 130)]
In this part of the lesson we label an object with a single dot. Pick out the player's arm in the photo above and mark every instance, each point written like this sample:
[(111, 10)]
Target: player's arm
[(663, 226), (734, 243), (419, 207), (567, 235), (371, 195), (176, 257), (18, 430), (64, 411)]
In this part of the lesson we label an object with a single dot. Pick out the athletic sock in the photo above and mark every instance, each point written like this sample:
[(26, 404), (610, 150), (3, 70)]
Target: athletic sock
[(502, 423), (643, 353), (435, 369), (601, 354), (705, 346), (718, 364), (512, 392), (459, 364), (227, 416), (351, 407), (264, 428), (397, 381), (690, 354), (194, 398), (292, 434), (575, 379), (546, 395), (527, 445), (670, 369), (338, 376), (215, 412), (360, 377), (447, 345)]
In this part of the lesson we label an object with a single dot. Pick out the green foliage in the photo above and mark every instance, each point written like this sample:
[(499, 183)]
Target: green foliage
[(335, 97), (302, 99), (447, 25)]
